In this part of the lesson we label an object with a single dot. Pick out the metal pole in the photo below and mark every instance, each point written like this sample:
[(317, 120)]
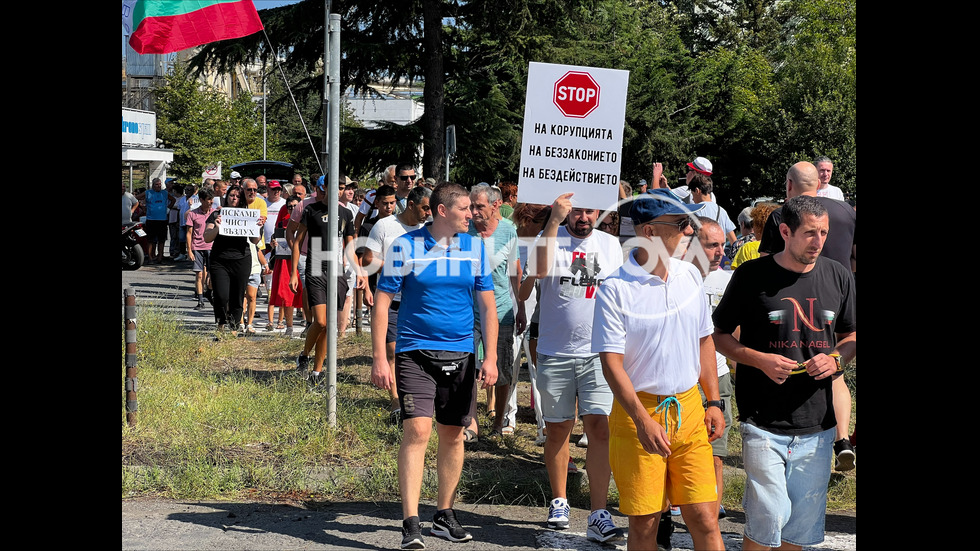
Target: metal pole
[(331, 187), (129, 322), (325, 148), (265, 98)]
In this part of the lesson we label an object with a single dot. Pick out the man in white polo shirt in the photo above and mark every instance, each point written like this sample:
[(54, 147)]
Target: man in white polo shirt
[(652, 330)]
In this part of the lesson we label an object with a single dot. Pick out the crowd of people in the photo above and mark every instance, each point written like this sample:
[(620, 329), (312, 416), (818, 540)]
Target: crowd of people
[(636, 320)]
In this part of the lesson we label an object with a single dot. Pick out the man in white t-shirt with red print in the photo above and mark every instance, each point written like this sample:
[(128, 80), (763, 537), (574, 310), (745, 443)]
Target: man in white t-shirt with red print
[(571, 262)]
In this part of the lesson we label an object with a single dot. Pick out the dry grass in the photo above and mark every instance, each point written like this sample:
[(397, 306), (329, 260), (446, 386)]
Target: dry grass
[(230, 418)]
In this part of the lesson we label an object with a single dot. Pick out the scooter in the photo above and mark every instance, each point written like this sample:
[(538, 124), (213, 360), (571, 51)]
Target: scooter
[(132, 252)]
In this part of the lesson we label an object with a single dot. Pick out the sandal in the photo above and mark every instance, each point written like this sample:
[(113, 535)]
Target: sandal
[(508, 430), (470, 436), (281, 325), (491, 414), (269, 326)]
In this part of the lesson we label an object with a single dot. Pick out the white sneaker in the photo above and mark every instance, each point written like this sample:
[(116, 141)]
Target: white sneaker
[(558, 512), (601, 527)]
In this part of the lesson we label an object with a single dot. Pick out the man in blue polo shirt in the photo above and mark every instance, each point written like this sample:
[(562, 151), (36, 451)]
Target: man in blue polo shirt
[(439, 270)]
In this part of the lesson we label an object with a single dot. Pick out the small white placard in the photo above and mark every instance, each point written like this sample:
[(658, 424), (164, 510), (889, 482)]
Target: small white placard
[(240, 222)]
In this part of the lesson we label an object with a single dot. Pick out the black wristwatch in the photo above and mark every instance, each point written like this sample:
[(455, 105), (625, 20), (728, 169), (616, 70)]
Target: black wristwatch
[(720, 404)]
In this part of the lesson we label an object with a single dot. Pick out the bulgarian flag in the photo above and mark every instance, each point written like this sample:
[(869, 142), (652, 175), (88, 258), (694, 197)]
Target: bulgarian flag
[(164, 26)]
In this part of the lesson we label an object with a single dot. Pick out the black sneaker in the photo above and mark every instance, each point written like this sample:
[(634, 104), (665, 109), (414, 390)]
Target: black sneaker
[(445, 525), (412, 534), (302, 364), (846, 459), (664, 531), (317, 381)]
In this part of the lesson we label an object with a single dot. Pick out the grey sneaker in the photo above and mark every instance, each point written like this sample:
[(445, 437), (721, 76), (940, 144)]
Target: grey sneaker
[(445, 525), (412, 534), (558, 512), (601, 527)]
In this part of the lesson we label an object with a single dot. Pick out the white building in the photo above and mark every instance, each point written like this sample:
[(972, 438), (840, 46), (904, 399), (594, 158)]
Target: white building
[(399, 105)]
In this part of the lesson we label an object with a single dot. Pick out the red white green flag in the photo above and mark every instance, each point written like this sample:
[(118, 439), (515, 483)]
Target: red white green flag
[(164, 26)]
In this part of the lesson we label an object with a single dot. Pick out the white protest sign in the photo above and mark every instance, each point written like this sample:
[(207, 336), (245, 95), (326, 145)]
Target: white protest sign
[(240, 222), (573, 134)]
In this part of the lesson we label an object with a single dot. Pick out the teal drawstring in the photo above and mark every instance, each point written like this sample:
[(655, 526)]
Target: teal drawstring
[(665, 405)]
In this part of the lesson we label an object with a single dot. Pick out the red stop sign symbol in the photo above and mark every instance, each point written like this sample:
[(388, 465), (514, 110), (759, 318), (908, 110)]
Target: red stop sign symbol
[(576, 94)]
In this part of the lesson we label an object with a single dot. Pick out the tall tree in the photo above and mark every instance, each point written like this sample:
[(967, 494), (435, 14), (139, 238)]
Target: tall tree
[(204, 127), (816, 71)]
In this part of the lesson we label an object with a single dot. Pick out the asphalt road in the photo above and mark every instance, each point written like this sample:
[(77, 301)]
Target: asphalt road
[(151, 524)]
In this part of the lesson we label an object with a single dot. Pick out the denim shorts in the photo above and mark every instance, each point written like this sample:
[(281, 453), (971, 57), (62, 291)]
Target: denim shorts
[(786, 485), (562, 378), (202, 260), (301, 267)]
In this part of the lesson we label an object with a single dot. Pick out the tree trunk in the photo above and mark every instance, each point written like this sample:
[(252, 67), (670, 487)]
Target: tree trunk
[(434, 139)]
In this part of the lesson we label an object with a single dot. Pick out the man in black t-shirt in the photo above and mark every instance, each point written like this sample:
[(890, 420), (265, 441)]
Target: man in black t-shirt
[(314, 224), (803, 179), (796, 313)]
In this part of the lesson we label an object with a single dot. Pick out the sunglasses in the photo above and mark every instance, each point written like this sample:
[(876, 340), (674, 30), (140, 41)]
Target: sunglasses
[(681, 224), (407, 177), (251, 189)]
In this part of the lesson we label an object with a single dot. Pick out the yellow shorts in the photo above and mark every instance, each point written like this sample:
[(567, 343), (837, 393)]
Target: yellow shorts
[(645, 480)]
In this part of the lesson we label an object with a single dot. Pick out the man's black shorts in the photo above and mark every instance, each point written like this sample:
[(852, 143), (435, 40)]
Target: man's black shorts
[(316, 290), (156, 230), (436, 382), (392, 322)]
